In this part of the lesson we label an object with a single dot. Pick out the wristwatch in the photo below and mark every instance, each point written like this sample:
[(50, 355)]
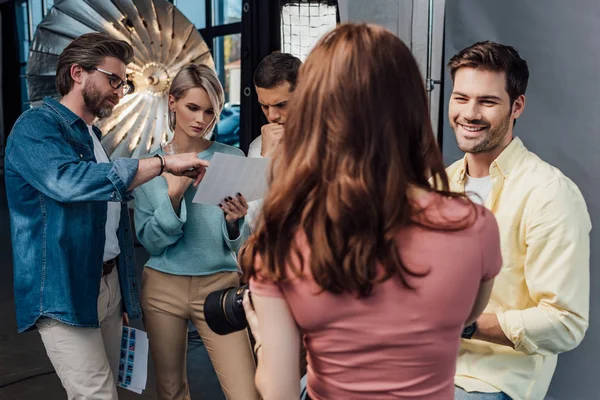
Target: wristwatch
[(162, 163), (469, 331)]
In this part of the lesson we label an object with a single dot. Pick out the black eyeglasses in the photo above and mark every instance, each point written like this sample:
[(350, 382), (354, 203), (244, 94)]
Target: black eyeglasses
[(116, 82)]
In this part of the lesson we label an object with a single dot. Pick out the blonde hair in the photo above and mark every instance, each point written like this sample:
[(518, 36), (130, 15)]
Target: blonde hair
[(198, 76)]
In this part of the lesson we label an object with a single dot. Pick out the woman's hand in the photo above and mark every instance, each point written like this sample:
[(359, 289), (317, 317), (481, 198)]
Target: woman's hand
[(177, 185), (252, 319), (234, 208), (278, 350)]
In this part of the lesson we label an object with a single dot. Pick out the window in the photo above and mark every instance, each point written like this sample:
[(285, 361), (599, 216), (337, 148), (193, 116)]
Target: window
[(194, 10), (29, 14), (303, 23), (219, 22), (227, 12), (37, 13)]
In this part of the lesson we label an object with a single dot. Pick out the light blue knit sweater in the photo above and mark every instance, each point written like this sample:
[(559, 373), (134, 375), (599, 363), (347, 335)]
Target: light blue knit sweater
[(194, 243)]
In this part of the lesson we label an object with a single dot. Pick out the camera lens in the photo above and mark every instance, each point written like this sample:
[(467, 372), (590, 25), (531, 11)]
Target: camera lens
[(224, 311)]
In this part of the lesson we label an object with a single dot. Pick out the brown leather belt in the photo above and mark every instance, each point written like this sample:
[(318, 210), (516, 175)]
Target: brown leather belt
[(107, 266)]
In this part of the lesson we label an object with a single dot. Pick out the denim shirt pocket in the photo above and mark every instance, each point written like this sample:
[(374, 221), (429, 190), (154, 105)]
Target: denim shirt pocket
[(79, 144)]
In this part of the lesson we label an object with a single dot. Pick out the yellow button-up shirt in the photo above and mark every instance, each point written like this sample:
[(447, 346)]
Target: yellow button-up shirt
[(541, 296)]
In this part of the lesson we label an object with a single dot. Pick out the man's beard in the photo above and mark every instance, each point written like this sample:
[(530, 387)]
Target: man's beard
[(492, 139), (95, 102)]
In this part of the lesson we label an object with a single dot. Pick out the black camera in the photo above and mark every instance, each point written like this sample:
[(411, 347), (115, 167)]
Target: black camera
[(224, 311)]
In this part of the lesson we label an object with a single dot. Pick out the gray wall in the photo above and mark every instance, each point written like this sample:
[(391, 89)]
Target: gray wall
[(394, 15), (409, 20), (561, 122)]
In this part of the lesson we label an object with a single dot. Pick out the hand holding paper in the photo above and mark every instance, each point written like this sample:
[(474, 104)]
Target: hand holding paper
[(235, 207), (228, 175)]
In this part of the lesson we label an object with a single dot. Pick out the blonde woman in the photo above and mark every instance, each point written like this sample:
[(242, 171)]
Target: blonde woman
[(192, 249)]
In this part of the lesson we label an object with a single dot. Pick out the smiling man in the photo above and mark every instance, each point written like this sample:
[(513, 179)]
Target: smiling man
[(539, 306), (74, 272)]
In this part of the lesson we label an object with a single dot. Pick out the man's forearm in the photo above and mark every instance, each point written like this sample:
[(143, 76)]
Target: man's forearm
[(489, 330), (148, 168)]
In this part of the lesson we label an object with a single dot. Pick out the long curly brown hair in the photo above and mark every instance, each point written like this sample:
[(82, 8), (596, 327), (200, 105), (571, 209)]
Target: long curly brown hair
[(358, 136)]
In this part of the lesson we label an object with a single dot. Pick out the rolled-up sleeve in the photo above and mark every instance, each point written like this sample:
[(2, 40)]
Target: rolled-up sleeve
[(557, 272), (235, 244), (157, 226), (38, 152), (121, 175)]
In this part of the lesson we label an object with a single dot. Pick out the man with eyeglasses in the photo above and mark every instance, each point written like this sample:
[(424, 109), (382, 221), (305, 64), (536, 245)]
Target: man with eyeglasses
[(115, 81), (74, 272)]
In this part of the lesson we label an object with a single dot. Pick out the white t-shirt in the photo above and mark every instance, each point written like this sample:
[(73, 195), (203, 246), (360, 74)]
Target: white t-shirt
[(254, 207), (255, 149), (113, 213), (478, 189)]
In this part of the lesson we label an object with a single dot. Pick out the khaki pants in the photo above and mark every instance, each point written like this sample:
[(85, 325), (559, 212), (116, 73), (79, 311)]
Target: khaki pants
[(87, 359), (168, 302)]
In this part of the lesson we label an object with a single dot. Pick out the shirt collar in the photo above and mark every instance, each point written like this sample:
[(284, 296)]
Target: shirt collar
[(504, 163), (67, 115)]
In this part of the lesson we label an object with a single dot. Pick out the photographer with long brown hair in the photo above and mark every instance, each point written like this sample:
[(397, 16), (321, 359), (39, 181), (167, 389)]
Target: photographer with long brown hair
[(355, 252)]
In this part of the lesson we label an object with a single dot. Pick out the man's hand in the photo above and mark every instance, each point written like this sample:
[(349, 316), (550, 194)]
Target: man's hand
[(187, 164), (271, 137)]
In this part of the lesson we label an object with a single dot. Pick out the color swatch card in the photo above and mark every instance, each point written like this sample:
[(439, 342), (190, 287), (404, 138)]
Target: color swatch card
[(133, 366)]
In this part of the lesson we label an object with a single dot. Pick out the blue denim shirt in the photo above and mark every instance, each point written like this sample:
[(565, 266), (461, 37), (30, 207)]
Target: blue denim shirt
[(57, 198)]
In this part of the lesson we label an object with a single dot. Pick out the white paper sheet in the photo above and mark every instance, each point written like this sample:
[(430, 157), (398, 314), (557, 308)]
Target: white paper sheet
[(228, 175), (133, 366)]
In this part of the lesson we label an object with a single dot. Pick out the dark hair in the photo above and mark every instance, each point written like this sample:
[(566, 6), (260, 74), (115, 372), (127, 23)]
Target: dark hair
[(276, 69), (89, 50), (359, 140), (494, 57)]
